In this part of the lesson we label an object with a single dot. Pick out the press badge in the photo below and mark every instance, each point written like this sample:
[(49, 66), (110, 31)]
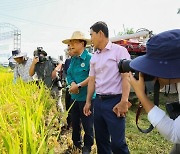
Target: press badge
[(82, 64)]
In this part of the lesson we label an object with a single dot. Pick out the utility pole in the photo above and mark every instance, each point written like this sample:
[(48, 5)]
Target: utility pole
[(8, 31)]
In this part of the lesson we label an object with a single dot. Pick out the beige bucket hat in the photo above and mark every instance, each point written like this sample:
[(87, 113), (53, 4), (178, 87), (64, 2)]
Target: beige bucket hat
[(77, 35)]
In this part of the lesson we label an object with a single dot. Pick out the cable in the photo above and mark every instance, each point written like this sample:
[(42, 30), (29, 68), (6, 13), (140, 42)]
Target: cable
[(35, 22), (15, 3), (25, 5)]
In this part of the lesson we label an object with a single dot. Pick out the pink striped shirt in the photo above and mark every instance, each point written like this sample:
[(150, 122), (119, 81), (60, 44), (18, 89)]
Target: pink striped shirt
[(104, 67)]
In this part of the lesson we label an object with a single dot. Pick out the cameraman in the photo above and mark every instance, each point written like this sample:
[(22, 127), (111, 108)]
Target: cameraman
[(42, 66), (47, 70), (162, 61), (45, 67)]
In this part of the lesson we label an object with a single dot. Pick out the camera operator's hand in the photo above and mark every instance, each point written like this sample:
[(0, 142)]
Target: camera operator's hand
[(32, 68), (74, 88), (58, 67), (56, 70), (121, 108), (35, 60), (138, 85), (139, 88)]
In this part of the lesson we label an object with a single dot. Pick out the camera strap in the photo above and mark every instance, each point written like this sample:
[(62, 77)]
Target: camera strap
[(156, 102)]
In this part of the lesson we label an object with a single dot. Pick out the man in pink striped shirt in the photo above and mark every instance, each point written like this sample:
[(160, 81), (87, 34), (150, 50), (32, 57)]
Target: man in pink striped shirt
[(112, 89)]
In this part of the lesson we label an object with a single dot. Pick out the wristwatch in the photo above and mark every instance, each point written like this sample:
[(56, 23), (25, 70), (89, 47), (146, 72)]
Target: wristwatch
[(79, 85)]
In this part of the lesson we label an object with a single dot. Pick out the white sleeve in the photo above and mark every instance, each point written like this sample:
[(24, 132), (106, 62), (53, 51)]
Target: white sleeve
[(168, 128)]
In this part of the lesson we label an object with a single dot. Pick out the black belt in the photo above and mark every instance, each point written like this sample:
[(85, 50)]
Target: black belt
[(107, 96)]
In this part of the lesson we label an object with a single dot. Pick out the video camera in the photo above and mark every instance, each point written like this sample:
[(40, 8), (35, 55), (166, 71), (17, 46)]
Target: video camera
[(38, 52), (124, 67)]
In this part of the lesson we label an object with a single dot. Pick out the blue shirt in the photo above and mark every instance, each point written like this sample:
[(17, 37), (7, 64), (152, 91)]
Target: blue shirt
[(78, 71)]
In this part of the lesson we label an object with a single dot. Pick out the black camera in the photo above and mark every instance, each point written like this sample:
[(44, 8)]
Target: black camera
[(173, 109), (38, 52), (124, 67)]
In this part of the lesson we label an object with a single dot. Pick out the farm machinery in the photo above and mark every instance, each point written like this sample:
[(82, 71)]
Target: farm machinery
[(134, 43)]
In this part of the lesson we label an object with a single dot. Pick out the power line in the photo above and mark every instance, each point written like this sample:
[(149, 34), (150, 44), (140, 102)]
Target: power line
[(36, 22), (15, 3), (24, 5)]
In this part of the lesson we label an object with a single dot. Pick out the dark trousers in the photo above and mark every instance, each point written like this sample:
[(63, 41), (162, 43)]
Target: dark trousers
[(175, 149), (79, 118), (68, 103), (109, 129)]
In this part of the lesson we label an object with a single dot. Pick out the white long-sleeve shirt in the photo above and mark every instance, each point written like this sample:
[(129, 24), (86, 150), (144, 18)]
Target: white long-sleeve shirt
[(169, 128), (178, 89)]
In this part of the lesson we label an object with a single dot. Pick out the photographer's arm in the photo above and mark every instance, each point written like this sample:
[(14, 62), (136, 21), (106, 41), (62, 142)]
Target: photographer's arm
[(32, 68), (167, 127), (57, 69), (139, 88)]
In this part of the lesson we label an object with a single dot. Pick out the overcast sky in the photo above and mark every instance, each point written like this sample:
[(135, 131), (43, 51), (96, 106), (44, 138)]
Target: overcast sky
[(47, 22)]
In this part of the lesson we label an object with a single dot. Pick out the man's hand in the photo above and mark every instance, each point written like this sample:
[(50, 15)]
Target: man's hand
[(86, 109), (35, 60), (74, 88), (121, 108), (58, 67)]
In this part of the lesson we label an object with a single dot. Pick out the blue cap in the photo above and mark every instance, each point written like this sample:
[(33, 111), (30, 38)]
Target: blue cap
[(162, 58)]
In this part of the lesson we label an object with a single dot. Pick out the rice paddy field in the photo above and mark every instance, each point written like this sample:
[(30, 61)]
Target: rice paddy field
[(31, 124)]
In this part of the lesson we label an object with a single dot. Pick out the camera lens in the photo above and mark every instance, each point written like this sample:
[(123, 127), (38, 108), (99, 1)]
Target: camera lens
[(124, 66)]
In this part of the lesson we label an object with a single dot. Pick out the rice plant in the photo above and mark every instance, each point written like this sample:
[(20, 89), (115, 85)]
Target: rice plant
[(27, 116)]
